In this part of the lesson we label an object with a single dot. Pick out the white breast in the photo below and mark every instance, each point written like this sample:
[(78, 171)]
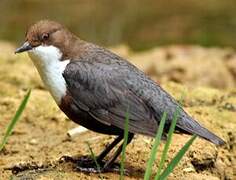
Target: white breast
[(50, 67)]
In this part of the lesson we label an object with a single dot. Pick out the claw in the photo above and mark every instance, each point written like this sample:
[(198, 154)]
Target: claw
[(86, 164)]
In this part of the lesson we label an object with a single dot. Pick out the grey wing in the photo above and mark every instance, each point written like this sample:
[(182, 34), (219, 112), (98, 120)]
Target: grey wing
[(106, 86), (103, 91)]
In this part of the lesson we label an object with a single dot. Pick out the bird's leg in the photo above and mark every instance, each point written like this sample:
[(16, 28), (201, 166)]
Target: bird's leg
[(109, 163), (88, 165), (109, 148)]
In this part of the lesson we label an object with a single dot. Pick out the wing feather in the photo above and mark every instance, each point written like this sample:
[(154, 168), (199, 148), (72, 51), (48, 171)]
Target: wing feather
[(103, 91)]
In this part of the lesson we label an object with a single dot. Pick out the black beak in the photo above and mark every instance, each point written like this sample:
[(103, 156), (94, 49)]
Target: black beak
[(25, 47)]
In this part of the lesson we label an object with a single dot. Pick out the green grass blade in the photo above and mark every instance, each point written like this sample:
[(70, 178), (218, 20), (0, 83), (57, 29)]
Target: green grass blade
[(15, 119), (94, 158), (168, 142), (126, 132), (177, 158), (157, 141)]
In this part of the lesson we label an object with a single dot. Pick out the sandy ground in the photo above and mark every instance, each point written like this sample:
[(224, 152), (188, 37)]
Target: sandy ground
[(39, 139)]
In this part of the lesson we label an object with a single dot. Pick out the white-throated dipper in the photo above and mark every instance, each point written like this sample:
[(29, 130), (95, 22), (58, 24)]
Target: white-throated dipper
[(94, 87)]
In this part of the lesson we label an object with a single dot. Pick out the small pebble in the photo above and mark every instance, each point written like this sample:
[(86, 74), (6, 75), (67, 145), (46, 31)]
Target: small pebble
[(33, 142), (189, 169)]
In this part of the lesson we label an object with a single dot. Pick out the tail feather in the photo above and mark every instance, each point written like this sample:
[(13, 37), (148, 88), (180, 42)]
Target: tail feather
[(189, 125)]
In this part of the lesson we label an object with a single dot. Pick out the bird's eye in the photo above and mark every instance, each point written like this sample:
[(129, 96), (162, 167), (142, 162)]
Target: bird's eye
[(45, 36)]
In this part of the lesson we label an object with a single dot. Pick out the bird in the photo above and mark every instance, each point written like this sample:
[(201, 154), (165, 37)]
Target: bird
[(95, 88)]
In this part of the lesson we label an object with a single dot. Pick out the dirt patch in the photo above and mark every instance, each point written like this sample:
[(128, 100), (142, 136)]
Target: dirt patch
[(189, 65), (39, 140)]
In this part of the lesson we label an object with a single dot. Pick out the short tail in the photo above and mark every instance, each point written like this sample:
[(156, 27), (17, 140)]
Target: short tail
[(190, 126)]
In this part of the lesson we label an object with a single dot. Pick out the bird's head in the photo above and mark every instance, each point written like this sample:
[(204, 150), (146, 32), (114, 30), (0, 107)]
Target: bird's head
[(46, 41), (44, 33)]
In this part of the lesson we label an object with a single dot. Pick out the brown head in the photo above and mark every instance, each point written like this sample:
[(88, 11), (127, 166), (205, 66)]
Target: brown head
[(46, 33), (48, 43)]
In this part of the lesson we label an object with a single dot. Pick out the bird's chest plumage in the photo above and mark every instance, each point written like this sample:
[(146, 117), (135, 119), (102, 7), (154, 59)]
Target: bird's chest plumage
[(51, 68)]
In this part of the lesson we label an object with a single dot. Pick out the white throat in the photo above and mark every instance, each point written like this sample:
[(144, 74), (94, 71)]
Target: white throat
[(47, 59)]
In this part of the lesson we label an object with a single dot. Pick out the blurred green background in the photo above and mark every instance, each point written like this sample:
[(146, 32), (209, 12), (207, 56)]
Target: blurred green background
[(139, 24)]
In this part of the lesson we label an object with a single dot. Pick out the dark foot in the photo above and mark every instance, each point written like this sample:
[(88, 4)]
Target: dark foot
[(87, 164)]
